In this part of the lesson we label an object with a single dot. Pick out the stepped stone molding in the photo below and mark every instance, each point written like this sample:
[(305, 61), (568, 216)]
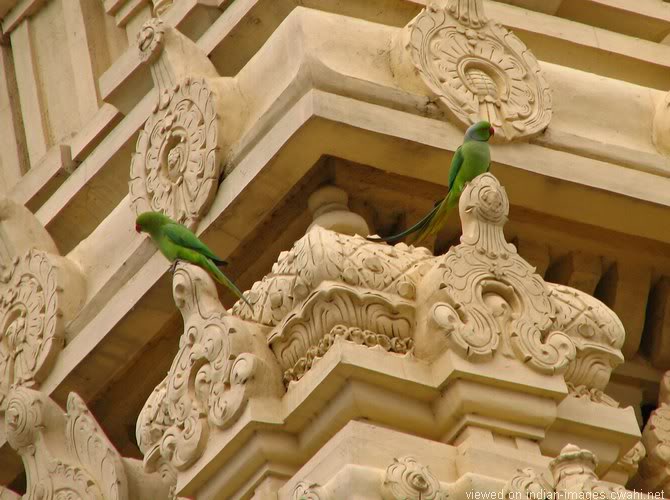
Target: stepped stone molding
[(476, 68), (222, 362), (572, 473), (39, 294), (654, 469), (68, 455), (179, 153)]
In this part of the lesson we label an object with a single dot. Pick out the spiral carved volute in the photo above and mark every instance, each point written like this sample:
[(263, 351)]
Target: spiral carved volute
[(39, 294), (476, 68), (221, 363)]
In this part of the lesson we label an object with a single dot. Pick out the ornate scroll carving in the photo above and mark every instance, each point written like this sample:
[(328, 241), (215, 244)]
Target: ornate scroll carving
[(476, 68), (654, 469), (68, 456), (179, 152), (573, 473), (407, 479), (39, 293), (483, 293), (221, 363)]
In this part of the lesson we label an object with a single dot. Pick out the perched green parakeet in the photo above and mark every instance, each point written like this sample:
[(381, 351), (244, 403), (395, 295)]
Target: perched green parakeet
[(177, 242), (472, 158)]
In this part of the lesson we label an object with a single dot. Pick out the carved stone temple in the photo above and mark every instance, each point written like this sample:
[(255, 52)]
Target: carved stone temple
[(523, 353)]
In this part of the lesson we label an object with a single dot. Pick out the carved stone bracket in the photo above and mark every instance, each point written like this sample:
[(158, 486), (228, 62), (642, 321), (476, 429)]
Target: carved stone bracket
[(180, 151), (222, 362), (476, 68), (572, 473), (39, 294), (68, 455)]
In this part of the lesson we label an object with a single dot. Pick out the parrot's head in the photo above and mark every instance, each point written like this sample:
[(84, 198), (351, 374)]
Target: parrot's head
[(480, 131), (150, 222)]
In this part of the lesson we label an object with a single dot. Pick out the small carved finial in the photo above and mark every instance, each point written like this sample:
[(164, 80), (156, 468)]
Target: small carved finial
[(150, 40), (330, 208), (573, 461)]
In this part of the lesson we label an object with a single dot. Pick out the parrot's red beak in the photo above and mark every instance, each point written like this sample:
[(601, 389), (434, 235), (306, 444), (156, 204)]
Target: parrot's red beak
[(492, 131), (138, 228)]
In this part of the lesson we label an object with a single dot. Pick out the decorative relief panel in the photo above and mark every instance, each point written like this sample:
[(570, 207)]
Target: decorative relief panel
[(222, 361), (39, 294), (68, 455), (407, 479), (476, 68), (178, 160)]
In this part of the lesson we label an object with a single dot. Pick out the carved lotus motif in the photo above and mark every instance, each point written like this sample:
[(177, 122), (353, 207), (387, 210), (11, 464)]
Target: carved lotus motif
[(177, 163), (478, 69), (150, 40)]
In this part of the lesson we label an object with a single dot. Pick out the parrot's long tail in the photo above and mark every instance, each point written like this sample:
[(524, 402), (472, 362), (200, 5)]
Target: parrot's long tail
[(439, 219), (416, 227), (223, 279)]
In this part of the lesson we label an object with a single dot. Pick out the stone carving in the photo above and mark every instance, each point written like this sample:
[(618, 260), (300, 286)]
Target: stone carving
[(221, 363), (483, 296), (179, 153), (598, 335), (150, 40), (476, 68), (309, 491), (330, 282), (39, 294), (6, 494), (68, 456), (654, 469), (573, 476), (177, 165), (407, 479)]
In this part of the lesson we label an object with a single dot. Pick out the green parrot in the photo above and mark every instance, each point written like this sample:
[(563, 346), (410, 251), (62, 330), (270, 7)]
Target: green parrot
[(177, 242), (472, 158)]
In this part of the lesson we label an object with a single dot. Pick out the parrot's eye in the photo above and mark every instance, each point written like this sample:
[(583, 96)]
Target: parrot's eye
[(492, 131), (138, 228)]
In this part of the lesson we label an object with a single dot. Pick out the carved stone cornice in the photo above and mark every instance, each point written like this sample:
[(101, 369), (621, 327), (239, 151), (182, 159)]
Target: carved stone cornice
[(222, 362), (476, 68), (68, 455), (39, 294)]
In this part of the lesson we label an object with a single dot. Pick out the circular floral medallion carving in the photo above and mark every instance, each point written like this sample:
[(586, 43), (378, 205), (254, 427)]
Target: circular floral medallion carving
[(407, 479), (177, 163), (479, 70)]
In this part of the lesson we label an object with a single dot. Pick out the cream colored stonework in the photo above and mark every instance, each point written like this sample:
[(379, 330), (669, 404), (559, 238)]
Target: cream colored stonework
[(523, 352)]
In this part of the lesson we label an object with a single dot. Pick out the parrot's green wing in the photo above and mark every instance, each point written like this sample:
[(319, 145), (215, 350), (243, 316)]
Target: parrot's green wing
[(179, 235), (456, 163), (416, 227)]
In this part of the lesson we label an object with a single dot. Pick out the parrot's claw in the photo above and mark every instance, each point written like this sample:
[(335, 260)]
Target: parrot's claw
[(173, 267)]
